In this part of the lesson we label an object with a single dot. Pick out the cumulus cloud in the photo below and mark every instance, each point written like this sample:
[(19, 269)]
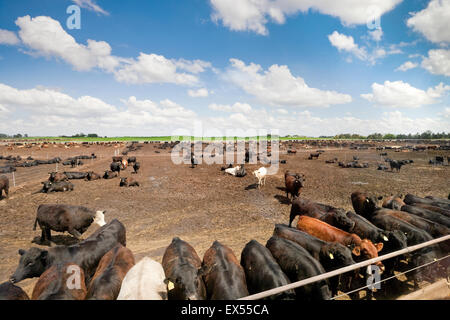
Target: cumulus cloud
[(44, 36), (153, 68), (401, 94), (406, 66), (200, 93), (253, 15), (277, 86), (90, 5), (8, 37), (437, 62), (433, 21), (377, 34), (347, 44), (47, 101), (238, 107)]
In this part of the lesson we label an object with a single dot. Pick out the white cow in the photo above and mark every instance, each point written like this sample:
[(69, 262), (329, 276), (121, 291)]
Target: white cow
[(144, 281), (233, 171), (261, 175)]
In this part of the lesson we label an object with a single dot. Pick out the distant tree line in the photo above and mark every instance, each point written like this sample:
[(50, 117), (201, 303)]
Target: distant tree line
[(15, 136), (81, 135), (390, 136)]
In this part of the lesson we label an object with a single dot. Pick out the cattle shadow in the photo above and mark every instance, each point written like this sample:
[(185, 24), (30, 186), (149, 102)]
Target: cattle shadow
[(65, 240), (252, 186), (282, 199)]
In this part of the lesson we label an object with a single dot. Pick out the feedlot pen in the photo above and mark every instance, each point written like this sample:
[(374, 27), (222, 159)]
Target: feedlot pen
[(199, 204)]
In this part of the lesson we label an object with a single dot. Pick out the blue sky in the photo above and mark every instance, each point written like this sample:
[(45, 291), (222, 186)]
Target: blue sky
[(280, 65)]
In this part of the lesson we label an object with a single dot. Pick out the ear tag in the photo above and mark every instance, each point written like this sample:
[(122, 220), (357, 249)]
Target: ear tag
[(385, 238), (170, 285), (331, 256)]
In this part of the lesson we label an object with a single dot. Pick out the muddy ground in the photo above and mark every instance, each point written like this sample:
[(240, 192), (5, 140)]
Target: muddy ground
[(199, 205)]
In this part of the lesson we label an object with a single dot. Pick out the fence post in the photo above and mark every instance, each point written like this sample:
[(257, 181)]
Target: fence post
[(14, 178)]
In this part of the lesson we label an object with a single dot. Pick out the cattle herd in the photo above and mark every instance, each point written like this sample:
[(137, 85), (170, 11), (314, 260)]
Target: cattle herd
[(324, 238)]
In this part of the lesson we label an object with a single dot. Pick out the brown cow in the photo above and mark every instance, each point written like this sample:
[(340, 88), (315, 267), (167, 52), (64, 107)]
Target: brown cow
[(61, 282), (128, 182), (9, 291), (4, 185), (112, 268), (363, 204), (293, 183), (360, 247), (430, 207), (393, 202), (57, 177), (223, 274)]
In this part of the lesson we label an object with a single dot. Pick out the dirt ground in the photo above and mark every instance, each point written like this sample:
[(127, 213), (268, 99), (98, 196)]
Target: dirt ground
[(203, 204)]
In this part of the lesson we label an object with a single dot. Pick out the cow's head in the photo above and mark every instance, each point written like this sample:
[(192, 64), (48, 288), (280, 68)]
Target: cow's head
[(334, 255), (32, 264), (393, 240), (186, 284), (368, 250), (99, 218), (363, 204)]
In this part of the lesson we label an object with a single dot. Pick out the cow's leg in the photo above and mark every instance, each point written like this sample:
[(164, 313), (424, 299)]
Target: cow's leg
[(6, 192), (75, 233), (48, 234), (42, 235)]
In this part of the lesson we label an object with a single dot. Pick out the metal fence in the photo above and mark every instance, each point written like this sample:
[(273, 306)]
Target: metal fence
[(355, 266)]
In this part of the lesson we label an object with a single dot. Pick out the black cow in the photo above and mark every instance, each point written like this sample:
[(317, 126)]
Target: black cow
[(382, 167), (298, 264), (7, 169), (313, 155), (9, 291), (4, 186), (136, 167), (427, 214), (86, 254), (182, 267), (331, 256), (131, 160), (262, 271), (223, 275), (61, 186), (414, 236), (115, 167), (61, 217), (76, 175), (412, 200)]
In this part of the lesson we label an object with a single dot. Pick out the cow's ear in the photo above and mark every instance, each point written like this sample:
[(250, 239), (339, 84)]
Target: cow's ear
[(356, 251), (380, 197), (21, 252), (379, 246)]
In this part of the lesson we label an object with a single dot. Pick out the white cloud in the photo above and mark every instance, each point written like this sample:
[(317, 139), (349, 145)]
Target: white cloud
[(46, 37), (377, 34), (253, 15), (406, 66), (200, 93), (237, 107), (90, 5), (346, 43), (446, 113), (433, 21), (8, 37), (437, 62), (277, 86), (47, 101), (401, 94), (153, 68)]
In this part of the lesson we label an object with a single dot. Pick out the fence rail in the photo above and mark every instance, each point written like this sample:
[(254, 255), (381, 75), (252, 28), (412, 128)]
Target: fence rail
[(333, 273)]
